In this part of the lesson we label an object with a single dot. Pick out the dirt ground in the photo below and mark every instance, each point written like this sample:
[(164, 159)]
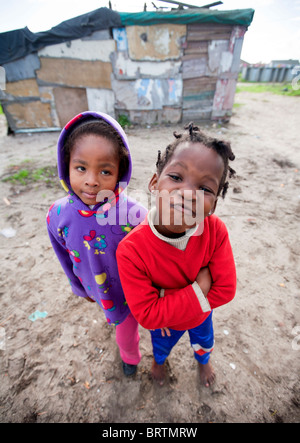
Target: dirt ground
[(65, 367)]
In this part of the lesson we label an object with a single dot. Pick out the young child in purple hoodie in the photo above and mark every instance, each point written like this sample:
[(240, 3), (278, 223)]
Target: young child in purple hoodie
[(86, 226)]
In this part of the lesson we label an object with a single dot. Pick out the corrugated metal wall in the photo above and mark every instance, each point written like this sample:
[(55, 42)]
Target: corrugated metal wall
[(269, 74)]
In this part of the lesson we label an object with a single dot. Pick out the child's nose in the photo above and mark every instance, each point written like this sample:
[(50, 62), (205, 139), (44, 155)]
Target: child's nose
[(188, 193), (92, 179)]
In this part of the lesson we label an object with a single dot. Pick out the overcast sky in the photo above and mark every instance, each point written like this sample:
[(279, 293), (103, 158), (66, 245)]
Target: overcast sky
[(273, 35)]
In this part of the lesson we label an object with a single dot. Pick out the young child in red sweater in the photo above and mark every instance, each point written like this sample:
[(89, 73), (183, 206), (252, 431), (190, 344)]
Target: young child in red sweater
[(177, 266)]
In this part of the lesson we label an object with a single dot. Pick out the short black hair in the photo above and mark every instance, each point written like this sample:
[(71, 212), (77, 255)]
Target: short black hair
[(194, 135), (102, 128)]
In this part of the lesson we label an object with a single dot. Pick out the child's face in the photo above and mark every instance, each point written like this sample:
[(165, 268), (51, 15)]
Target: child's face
[(94, 167), (193, 167)]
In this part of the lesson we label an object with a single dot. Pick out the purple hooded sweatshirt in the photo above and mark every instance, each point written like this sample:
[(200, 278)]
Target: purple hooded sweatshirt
[(85, 240)]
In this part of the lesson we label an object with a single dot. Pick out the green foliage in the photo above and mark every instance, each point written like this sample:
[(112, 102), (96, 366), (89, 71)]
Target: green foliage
[(124, 121)]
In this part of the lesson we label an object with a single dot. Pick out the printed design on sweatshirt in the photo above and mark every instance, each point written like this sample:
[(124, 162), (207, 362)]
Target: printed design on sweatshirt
[(104, 281), (121, 229), (48, 215), (95, 243), (63, 232), (123, 309), (75, 255), (106, 205), (116, 323), (70, 199), (107, 305), (64, 185)]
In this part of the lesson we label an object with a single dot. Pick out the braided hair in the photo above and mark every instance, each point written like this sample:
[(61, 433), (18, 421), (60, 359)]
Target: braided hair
[(193, 134)]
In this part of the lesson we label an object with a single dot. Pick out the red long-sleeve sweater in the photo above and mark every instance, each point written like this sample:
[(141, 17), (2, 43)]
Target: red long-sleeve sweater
[(147, 264)]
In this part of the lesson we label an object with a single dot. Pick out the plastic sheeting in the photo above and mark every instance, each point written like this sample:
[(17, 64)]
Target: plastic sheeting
[(21, 42)]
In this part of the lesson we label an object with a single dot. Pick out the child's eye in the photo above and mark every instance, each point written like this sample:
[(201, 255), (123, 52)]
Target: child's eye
[(105, 172), (207, 190), (176, 178), (80, 168)]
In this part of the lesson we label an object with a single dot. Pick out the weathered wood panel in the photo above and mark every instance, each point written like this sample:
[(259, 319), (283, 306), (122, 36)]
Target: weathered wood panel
[(75, 73), (81, 50), (224, 98), (126, 69), (69, 102), (120, 36), (147, 94), (171, 114), (195, 67), (196, 47), (157, 42), (29, 115), (216, 49), (23, 88), (200, 32), (203, 99), (196, 115), (194, 86), (158, 116), (102, 100)]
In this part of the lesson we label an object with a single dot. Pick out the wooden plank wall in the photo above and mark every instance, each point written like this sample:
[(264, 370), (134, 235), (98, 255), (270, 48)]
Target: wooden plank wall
[(199, 82)]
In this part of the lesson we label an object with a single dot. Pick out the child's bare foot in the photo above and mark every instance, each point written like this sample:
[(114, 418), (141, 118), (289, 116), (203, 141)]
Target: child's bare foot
[(158, 372), (207, 374)]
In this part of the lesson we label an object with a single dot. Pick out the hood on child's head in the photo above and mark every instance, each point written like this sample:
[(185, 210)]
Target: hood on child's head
[(63, 168)]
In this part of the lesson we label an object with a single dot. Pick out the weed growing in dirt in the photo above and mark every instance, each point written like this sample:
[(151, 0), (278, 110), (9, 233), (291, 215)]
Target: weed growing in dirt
[(27, 173)]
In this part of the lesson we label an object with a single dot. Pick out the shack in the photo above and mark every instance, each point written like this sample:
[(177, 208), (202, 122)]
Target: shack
[(152, 67)]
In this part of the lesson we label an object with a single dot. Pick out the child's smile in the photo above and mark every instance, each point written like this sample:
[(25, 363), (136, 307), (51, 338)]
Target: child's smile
[(94, 167), (187, 188)]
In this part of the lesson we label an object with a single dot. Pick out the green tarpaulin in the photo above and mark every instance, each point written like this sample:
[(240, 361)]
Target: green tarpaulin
[(242, 17)]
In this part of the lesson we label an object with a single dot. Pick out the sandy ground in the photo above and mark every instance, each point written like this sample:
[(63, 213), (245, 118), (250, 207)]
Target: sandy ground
[(65, 367)]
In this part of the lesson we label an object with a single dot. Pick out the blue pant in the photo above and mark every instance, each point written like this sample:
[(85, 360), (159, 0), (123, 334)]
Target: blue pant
[(201, 338)]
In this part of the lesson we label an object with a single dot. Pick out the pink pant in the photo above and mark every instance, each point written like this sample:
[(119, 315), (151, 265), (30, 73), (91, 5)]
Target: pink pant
[(127, 338)]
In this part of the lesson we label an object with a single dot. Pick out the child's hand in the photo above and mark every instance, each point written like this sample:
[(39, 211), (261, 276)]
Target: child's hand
[(164, 331), (204, 280), (89, 299)]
